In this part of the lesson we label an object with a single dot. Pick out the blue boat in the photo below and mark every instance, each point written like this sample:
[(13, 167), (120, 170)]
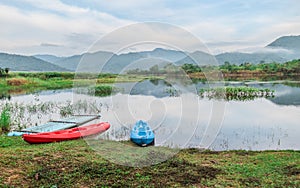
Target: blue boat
[(141, 134)]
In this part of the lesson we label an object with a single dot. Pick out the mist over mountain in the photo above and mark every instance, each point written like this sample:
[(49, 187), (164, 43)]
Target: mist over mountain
[(291, 44), (283, 49)]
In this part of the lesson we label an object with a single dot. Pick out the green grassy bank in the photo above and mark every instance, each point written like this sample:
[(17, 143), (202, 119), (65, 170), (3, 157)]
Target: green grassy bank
[(28, 82), (74, 164)]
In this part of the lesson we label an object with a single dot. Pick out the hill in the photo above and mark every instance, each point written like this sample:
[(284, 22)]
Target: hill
[(26, 63)]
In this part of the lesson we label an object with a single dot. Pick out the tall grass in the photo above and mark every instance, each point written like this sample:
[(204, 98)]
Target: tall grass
[(18, 115), (5, 120)]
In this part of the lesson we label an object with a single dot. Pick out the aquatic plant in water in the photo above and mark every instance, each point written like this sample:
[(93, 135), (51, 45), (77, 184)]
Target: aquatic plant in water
[(17, 115), (172, 92), (236, 93)]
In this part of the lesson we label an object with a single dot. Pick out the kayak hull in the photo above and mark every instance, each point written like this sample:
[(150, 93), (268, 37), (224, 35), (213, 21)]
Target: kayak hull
[(141, 134), (68, 134), (143, 141)]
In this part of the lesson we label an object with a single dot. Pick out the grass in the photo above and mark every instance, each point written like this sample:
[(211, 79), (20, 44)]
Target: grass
[(74, 164), (28, 82)]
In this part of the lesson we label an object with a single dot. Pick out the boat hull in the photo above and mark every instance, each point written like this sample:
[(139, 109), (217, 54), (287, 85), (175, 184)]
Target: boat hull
[(141, 134), (68, 134), (143, 141)]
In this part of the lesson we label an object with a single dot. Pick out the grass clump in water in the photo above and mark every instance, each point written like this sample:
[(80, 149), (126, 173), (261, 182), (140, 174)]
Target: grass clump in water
[(103, 90), (236, 93)]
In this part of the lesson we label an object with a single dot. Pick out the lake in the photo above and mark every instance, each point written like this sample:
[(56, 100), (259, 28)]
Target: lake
[(181, 119)]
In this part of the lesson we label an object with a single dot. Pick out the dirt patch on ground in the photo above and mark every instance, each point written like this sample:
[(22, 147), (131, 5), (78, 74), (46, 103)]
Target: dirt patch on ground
[(291, 170), (182, 172), (250, 181), (16, 81), (11, 176), (173, 172), (244, 153)]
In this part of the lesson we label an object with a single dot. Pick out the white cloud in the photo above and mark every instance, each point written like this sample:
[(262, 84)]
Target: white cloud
[(222, 25), (28, 29), (56, 5)]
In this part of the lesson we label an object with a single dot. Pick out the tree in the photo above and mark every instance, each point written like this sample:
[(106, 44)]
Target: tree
[(191, 68), (6, 70), (1, 72), (154, 69)]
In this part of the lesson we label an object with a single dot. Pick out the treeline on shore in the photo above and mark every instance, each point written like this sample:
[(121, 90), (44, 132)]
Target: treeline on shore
[(287, 68), (228, 69)]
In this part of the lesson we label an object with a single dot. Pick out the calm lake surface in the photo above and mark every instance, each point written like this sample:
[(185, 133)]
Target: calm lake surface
[(186, 120)]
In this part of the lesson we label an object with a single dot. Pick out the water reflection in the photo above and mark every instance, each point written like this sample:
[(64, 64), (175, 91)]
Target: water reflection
[(286, 93), (259, 124), (4, 96)]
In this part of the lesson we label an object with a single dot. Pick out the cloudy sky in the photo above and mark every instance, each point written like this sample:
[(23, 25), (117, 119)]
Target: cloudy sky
[(67, 27)]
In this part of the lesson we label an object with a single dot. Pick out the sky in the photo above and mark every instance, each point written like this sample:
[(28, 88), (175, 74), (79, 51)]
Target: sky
[(68, 27)]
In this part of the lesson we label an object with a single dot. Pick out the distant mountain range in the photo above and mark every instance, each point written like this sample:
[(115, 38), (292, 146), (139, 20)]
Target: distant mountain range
[(27, 63), (281, 50)]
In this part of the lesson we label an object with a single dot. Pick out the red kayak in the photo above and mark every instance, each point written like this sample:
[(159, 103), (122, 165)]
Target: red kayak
[(68, 134)]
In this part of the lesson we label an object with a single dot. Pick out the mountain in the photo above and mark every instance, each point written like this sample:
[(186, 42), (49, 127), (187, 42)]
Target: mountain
[(48, 58), (70, 63), (113, 63), (281, 50), (239, 58), (91, 61), (289, 46), (286, 42), (26, 63), (233, 57), (165, 54), (198, 57)]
